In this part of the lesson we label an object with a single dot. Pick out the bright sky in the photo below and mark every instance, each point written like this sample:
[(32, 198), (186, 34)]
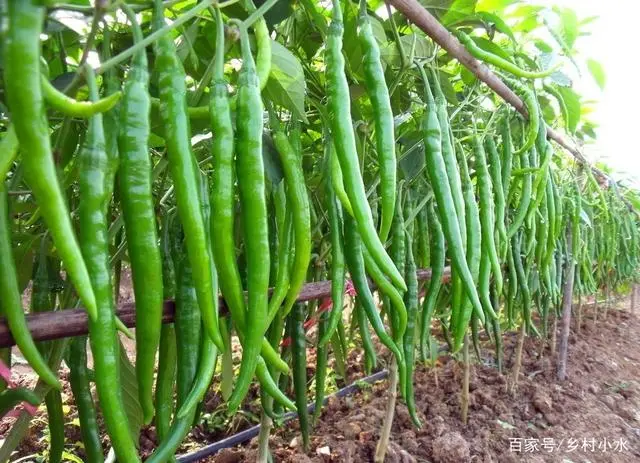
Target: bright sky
[(613, 42)]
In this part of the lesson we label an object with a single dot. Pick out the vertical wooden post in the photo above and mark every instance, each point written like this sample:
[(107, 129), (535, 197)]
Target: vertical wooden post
[(567, 298)]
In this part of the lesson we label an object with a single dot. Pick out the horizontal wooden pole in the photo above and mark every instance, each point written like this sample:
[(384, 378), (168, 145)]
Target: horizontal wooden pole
[(46, 326)]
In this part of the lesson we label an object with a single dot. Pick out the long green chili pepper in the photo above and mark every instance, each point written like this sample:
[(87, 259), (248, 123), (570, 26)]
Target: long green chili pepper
[(222, 196), (525, 199), (533, 109), (500, 62), (386, 288), (11, 299), (95, 249), (55, 418), (136, 199), (284, 224), (167, 362), (383, 119), (506, 153), (185, 416), (437, 270), (460, 323), (398, 254), (495, 172), (299, 363), (447, 149), (487, 212), (365, 336), (187, 324), (344, 141), (186, 178), (354, 257), (334, 212), (523, 282), (322, 357), (337, 179), (249, 165), (408, 340), (22, 70), (74, 108), (41, 301), (298, 200), (202, 380), (437, 173)]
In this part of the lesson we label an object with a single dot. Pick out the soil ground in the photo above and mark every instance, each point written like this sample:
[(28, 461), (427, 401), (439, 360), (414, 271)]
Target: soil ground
[(593, 416)]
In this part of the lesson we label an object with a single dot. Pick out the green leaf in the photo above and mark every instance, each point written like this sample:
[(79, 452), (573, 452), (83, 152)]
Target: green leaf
[(561, 79), (572, 102), (286, 85), (460, 9), (493, 5), (597, 71), (498, 22), (412, 161), (271, 160), (569, 27), (129, 390)]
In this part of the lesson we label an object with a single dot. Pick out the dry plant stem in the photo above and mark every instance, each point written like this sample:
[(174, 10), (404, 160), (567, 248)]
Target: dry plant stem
[(385, 433), (606, 302), (567, 298), (595, 310), (634, 295), (464, 395), (515, 372), (263, 438)]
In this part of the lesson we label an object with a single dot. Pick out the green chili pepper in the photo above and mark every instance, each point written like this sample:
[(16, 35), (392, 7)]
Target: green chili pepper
[(344, 141), (487, 213), (437, 271), (11, 300), (251, 185), (95, 249), (533, 109), (334, 212), (500, 62), (298, 201), (186, 178), (136, 199), (299, 363), (322, 357), (525, 199), (55, 418), (495, 172), (26, 103), (408, 340), (370, 359), (382, 116), (74, 108), (437, 174), (222, 197), (354, 257)]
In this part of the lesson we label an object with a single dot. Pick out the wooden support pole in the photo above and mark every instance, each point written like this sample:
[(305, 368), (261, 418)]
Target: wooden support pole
[(67, 323)]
